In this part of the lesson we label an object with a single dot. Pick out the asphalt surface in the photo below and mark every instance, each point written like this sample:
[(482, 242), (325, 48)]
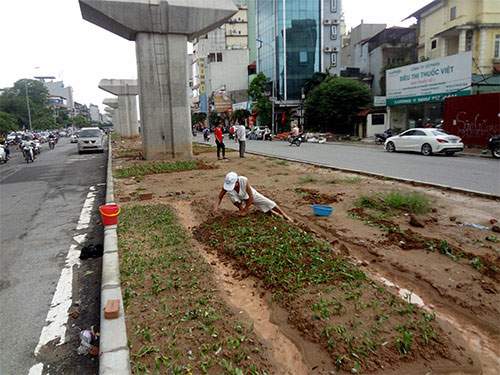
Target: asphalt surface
[(40, 205), (460, 171)]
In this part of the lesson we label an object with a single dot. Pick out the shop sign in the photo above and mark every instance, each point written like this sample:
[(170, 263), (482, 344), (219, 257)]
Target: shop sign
[(430, 81)]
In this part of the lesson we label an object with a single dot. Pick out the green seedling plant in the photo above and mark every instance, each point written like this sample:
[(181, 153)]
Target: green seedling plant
[(295, 265)]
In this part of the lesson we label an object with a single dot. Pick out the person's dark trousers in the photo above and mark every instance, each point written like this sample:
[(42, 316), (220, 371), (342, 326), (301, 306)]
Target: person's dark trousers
[(242, 148), (220, 146)]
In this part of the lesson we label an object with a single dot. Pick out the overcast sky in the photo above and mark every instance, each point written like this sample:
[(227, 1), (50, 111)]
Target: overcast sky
[(50, 38)]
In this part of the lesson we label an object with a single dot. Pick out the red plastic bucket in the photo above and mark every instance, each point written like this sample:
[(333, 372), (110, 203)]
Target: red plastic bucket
[(109, 214)]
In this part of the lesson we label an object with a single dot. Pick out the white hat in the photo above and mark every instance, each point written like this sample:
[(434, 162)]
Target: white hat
[(230, 181)]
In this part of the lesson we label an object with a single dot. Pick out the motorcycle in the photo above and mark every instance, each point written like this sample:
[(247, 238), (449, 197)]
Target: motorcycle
[(28, 154), (52, 143), (297, 141), (380, 138), (494, 146), (36, 148), (3, 154)]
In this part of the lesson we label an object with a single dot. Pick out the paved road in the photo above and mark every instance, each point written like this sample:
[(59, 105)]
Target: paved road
[(463, 172), (40, 206)]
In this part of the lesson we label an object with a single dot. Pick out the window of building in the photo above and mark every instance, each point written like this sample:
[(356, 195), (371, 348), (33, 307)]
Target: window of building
[(211, 57), (497, 46), (333, 6), (219, 56), (333, 32), (303, 57), (453, 13), (333, 59), (468, 40), (434, 44)]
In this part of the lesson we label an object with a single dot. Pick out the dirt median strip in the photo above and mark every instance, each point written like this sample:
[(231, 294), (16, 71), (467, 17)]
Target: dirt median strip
[(329, 299), (451, 286), (176, 321)]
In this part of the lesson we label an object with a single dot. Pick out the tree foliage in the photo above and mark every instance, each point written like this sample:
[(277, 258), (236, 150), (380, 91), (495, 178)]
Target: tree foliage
[(214, 118), (198, 118), (333, 105), (240, 115), (262, 104), (8, 123), (13, 102), (81, 121)]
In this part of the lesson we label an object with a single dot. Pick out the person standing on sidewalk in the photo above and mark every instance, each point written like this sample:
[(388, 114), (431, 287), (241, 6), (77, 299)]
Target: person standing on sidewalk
[(219, 141), (241, 136)]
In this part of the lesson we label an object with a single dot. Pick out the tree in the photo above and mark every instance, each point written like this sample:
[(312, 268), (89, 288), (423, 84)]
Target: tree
[(333, 105), (198, 118), (240, 115), (13, 101), (262, 105), (8, 123), (214, 118), (81, 121), (315, 80)]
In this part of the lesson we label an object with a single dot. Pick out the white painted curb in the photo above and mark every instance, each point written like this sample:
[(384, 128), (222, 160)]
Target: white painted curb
[(113, 346)]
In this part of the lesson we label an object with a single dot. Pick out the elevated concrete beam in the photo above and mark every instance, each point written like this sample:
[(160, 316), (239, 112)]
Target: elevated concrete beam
[(127, 18), (126, 90), (161, 29)]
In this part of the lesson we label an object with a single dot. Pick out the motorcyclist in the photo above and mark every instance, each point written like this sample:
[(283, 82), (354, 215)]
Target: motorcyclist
[(206, 134)]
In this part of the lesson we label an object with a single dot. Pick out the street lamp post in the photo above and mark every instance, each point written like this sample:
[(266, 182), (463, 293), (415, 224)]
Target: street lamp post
[(28, 104)]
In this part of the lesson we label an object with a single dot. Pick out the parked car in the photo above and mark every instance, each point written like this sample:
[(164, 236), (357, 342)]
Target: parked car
[(426, 141), (90, 139), (494, 146)]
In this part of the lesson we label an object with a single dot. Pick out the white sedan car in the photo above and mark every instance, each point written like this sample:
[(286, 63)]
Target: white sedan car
[(90, 139), (427, 141)]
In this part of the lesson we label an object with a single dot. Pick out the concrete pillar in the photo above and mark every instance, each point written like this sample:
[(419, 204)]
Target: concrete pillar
[(164, 101), (126, 91), (161, 29), (113, 103)]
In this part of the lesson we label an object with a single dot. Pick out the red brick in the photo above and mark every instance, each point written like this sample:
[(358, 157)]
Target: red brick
[(112, 309)]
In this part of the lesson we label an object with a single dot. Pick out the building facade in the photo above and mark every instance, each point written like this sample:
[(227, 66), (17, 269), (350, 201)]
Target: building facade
[(295, 39), (220, 61), (449, 27), (463, 34)]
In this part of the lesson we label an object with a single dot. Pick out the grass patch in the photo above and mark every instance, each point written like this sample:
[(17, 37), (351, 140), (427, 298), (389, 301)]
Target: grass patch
[(328, 298), (410, 202), (347, 180), (148, 168), (283, 163), (307, 179), (176, 321)]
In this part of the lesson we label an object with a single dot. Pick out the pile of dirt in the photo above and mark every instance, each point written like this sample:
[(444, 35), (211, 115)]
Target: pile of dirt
[(313, 196)]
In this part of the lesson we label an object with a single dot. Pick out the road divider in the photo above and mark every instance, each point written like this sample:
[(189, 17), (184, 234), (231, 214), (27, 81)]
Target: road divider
[(114, 355)]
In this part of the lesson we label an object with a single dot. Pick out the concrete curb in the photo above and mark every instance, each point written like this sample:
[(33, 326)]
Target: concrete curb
[(375, 147), (113, 346), (380, 176)]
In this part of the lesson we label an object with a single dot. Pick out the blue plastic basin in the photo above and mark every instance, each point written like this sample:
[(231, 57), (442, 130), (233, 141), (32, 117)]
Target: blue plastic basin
[(322, 210)]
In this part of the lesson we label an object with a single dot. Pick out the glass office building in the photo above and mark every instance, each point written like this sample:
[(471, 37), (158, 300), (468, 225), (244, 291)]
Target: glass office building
[(289, 43)]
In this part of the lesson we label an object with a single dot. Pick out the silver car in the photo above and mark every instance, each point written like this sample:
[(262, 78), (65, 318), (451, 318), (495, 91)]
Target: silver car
[(90, 139)]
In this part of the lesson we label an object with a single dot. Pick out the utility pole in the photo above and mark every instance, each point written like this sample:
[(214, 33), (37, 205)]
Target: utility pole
[(28, 104)]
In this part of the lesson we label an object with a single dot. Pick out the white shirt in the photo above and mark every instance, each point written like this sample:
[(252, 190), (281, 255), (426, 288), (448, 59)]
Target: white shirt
[(241, 133)]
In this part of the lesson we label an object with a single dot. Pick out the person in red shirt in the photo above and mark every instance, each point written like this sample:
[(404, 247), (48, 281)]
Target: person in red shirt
[(219, 141)]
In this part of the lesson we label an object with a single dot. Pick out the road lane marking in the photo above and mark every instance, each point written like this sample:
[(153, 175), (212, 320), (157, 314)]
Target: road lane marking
[(57, 316)]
